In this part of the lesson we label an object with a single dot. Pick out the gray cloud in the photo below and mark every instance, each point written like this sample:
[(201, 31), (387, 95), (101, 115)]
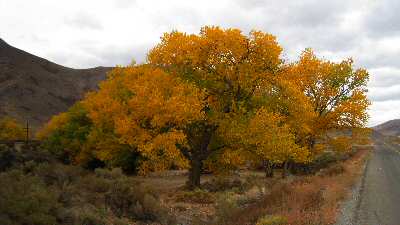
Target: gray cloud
[(378, 94), (384, 110), (84, 20), (94, 53), (116, 55), (115, 32), (382, 19), (384, 77), (124, 4)]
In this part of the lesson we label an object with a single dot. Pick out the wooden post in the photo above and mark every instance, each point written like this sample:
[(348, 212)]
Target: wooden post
[(27, 131)]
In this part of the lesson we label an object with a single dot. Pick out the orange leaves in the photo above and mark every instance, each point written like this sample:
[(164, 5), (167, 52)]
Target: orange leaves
[(55, 123), (336, 92), (341, 144), (265, 50), (147, 109), (180, 46), (267, 136), (228, 64), (221, 93), (167, 99), (161, 151), (349, 114), (273, 139)]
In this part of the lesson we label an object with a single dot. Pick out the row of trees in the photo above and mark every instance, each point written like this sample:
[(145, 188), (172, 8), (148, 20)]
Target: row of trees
[(217, 99)]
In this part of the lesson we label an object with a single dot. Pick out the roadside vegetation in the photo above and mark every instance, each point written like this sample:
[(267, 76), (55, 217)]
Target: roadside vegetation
[(222, 109), (38, 189)]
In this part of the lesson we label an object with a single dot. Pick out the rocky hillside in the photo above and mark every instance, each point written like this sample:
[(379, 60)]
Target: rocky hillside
[(391, 128), (34, 89)]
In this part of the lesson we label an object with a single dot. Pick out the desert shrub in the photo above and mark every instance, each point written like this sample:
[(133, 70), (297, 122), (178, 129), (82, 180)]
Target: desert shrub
[(196, 196), (333, 170), (128, 198), (7, 157), (26, 200), (226, 206), (112, 174), (222, 183), (149, 208), (323, 160), (10, 157), (120, 197), (94, 184), (54, 193), (89, 215), (272, 220), (123, 197), (57, 173), (245, 200)]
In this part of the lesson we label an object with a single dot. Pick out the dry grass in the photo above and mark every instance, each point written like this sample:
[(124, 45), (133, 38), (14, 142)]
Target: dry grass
[(310, 200), (299, 200)]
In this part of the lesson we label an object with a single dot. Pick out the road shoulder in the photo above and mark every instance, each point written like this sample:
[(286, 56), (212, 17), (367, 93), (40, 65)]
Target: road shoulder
[(349, 207)]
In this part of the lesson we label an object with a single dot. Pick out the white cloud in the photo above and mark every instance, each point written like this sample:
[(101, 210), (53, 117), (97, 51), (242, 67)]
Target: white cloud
[(83, 20), (91, 33), (383, 111)]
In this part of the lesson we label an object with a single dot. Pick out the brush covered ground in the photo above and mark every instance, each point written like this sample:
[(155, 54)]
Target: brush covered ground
[(37, 189), (247, 197)]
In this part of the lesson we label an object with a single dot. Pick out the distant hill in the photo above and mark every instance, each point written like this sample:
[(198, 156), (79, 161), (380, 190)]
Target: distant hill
[(34, 89), (391, 128)]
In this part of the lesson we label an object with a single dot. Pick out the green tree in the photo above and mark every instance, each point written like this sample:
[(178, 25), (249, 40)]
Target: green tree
[(66, 134)]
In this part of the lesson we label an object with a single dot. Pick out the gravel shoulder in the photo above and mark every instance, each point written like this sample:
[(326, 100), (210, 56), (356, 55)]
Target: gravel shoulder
[(349, 208)]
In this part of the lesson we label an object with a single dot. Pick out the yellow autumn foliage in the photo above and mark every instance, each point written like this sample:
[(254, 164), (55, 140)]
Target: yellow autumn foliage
[(336, 92), (147, 109), (221, 98), (10, 129)]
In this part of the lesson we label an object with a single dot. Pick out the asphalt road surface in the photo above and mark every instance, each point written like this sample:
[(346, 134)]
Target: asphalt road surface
[(379, 201)]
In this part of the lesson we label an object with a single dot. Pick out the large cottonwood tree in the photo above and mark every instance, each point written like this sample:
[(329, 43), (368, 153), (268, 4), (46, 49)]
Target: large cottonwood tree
[(232, 68), (223, 94)]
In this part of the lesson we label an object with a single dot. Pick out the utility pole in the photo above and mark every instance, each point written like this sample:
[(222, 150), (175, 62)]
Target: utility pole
[(27, 131)]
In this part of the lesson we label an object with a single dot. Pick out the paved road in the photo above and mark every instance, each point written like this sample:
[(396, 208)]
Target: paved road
[(379, 202)]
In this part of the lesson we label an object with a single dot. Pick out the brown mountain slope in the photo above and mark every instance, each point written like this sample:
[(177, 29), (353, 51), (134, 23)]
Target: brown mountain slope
[(391, 127), (34, 89)]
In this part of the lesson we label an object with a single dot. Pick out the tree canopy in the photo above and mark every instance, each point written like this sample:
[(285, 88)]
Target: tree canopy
[(220, 95)]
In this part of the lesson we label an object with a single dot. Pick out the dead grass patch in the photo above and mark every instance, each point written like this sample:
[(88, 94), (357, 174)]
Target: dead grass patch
[(197, 196), (309, 200)]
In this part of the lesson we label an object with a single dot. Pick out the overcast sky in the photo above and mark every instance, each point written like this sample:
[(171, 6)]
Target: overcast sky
[(81, 34)]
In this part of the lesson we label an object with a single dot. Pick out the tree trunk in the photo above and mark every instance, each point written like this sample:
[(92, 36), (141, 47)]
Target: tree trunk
[(285, 169), (199, 140), (311, 143), (194, 174), (268, 168)]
